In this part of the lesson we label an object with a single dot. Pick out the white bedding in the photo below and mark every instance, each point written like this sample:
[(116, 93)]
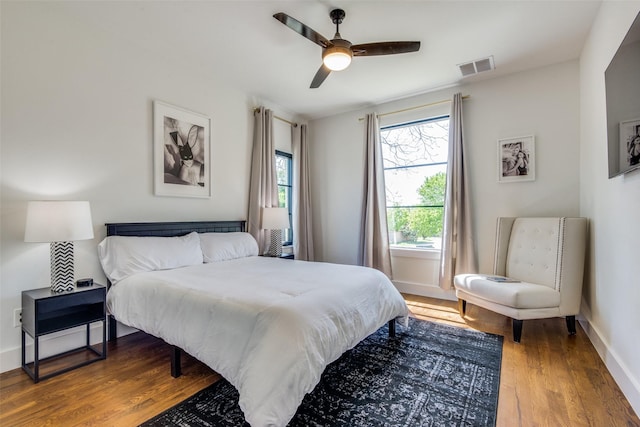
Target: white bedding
[(269, 326)]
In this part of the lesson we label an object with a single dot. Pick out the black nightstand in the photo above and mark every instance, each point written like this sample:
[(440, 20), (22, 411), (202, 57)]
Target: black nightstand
[(45, 312)]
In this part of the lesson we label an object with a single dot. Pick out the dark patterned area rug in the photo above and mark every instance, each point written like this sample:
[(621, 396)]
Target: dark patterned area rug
[(428, 375)]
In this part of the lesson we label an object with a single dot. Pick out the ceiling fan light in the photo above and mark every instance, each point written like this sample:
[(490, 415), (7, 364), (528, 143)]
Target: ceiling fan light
[(337, 58)]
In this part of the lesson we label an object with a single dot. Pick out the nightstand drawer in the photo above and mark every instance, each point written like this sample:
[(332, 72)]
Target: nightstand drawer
[(70, 300)]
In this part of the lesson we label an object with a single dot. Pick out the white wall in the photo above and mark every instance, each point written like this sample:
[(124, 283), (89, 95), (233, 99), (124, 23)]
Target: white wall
[(613, 282), (542, 102), (77, 125)]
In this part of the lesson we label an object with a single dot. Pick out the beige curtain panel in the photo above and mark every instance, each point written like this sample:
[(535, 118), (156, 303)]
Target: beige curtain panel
[(302, 224), (374, 237), (458, 249), (263, 186)]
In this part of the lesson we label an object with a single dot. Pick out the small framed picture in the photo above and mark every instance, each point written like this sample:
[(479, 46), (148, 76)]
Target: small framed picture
[(629, 144), (516, 159), (182, 152)]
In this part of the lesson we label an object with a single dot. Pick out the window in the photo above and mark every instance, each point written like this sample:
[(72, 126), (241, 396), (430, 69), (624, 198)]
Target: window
[(284, 176), (415, 170)]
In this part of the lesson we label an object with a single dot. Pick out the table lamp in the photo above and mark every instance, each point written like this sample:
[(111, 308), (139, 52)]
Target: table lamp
[(59, 223), (275, 219)]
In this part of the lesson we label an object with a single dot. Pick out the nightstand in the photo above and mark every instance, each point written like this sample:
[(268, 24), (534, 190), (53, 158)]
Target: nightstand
[(45, 312)]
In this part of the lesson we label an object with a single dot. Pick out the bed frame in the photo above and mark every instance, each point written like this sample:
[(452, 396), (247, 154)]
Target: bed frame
[(172, 229)]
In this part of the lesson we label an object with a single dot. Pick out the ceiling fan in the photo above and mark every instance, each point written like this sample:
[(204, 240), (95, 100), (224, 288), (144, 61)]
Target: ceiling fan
[(337, 52)]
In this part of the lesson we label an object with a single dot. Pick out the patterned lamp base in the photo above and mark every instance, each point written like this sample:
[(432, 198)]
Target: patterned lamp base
[(275, 248), (61, 266)]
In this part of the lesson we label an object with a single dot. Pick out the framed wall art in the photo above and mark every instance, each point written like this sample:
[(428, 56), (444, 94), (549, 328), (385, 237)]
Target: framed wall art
[(629, 148), (516, 159), (182, 152)]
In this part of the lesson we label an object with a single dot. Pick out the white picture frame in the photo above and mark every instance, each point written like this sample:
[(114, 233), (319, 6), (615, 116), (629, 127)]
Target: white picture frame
[(182, 152), (516, 159)]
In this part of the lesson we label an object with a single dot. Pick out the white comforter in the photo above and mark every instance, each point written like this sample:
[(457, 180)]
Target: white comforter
[(269, 326)]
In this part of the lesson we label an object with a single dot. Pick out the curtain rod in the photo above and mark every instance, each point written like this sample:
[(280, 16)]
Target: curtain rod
[(295, 125), (431, 104)]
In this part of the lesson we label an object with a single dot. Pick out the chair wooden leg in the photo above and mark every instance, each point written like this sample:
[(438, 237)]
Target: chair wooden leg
[(462, 307), (571, 324), (517, 330)]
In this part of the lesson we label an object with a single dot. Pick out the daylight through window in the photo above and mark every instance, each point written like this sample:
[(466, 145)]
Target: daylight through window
[(284, 176), (415, 167)]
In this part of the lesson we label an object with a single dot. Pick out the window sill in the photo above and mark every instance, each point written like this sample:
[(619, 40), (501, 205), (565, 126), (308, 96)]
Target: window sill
[(415, 253)]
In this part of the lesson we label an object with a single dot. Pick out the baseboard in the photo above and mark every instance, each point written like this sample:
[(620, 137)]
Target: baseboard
[(619, 371), (56, 343), (423, 290)]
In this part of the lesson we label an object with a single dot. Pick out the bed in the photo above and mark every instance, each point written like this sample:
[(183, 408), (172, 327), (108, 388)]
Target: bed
[(269, 326)]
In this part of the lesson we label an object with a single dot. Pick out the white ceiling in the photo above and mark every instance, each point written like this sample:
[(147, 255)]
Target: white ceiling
[(241, 43)]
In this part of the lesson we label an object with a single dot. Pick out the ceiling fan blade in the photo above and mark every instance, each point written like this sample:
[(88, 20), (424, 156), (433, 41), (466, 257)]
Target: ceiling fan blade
[(320, 76), (302, 29), (384, 48)]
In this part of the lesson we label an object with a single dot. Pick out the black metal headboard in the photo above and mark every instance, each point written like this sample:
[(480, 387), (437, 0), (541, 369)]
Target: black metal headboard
[(170, 229)]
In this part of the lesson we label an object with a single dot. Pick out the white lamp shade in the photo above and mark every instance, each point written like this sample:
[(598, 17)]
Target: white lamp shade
[(275, 218), (58, 221)]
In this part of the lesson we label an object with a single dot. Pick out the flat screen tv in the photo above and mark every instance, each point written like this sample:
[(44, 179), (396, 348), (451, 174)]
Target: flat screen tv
[(622, 81)]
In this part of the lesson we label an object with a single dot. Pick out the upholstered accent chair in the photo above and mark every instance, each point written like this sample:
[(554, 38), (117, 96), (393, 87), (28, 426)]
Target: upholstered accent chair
[(543, 259)]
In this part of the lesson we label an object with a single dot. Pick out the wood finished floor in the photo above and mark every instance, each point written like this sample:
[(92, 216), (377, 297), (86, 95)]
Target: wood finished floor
[(550, 379)]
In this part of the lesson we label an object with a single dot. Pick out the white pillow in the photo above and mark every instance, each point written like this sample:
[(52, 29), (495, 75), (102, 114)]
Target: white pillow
[(225, 246), (122, 256)]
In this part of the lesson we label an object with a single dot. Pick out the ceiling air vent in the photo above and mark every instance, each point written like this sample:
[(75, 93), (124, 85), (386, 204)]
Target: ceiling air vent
[(477, 66)]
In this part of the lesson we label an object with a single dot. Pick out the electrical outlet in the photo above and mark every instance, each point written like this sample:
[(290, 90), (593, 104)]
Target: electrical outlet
[(17, 317)]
